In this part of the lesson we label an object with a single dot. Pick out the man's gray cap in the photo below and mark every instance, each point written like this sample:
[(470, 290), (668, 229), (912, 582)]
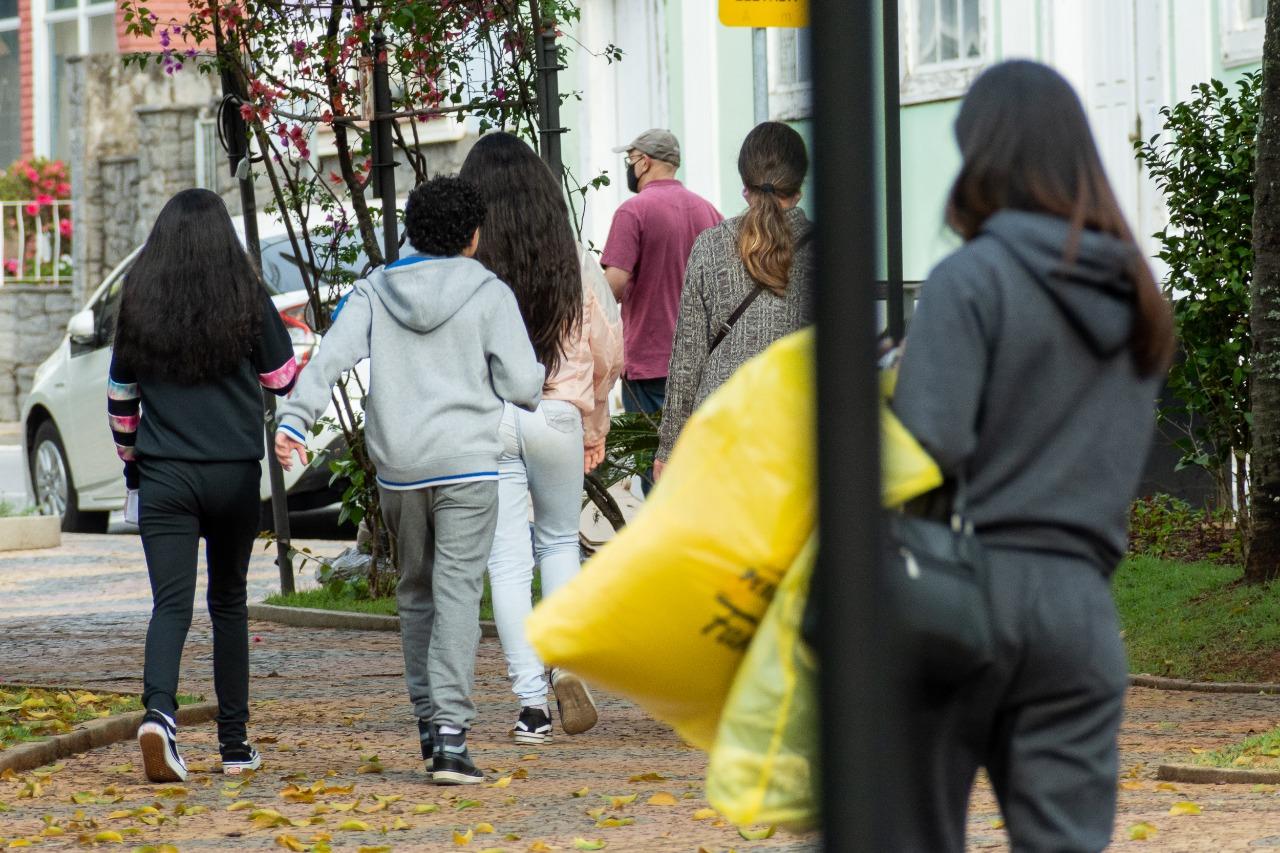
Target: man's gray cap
[(658, 143)]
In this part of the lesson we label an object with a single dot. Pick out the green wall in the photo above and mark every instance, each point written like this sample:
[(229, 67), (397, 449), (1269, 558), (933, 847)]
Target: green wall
[(930, 161)]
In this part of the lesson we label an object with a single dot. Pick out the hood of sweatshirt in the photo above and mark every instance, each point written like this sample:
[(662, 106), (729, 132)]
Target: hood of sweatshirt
[(1092, 288), (450, 283)]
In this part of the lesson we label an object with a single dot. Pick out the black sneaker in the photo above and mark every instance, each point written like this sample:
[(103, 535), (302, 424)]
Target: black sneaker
[(158, 739), (533, 727), (238, 757), (451, 763), (426, 739)]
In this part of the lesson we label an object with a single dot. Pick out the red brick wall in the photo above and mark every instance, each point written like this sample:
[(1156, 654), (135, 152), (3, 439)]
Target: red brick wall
[(166, 11), (24, 57)]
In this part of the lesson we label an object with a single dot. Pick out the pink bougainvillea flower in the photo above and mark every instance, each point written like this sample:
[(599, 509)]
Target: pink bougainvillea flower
[(31, 209), (64, 227), (11, 266), (246, 112), (63, 189), (44, 200)]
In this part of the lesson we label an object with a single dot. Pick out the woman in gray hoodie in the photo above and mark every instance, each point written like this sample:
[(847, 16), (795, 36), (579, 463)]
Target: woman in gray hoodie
[(1030, 373)]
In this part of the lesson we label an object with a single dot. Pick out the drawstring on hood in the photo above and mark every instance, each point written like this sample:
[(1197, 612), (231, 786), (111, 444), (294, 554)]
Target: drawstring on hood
[(1093, 289)]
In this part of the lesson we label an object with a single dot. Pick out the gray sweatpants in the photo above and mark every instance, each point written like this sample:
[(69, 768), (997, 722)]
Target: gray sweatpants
[(443, 536), (1043, 719)]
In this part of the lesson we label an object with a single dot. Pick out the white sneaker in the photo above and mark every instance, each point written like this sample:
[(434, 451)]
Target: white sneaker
[(577, 709), (158, 739)]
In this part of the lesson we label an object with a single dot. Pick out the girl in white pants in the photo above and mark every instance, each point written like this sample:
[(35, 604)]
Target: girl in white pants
[(573, 324)]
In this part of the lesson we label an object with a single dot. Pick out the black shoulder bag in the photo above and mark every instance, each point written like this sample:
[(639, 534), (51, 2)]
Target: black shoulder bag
[(938, 572)]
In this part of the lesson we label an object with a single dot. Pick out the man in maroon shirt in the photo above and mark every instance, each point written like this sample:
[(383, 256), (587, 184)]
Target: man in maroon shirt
[(644, 260)]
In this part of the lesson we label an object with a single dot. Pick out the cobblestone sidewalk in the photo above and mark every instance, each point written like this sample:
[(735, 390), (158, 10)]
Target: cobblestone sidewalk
[(325, 701)]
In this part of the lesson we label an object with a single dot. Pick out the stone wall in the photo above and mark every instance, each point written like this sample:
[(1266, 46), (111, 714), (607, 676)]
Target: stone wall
[(133, 146), (32, 322)]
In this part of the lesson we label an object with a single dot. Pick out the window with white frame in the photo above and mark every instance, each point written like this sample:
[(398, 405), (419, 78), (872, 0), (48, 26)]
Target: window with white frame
[(790, 79), (943, 46), (1241, 23), (10, 88), (72, 28)]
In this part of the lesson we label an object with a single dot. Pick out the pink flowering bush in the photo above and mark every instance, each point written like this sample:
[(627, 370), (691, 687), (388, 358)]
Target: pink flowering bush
[(36, 233)]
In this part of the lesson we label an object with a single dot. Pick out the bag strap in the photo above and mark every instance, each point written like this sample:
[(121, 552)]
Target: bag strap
[(727, 326)]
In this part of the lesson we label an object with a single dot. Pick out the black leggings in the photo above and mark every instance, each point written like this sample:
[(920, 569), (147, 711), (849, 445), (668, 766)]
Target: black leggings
[(181, 502)]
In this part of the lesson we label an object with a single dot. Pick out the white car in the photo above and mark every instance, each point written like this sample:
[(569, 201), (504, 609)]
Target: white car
[(71, 458)]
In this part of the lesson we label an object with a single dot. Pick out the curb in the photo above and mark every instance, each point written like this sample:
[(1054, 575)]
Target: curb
[(92, 735), (1196, 775), (306, 617), (1156, 682)]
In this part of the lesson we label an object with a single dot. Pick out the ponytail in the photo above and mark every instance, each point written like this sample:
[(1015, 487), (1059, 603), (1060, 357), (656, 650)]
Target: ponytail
[(765, 242), (772, 164)]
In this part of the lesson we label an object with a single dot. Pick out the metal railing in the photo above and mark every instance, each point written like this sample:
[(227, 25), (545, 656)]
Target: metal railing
[(35, 242)]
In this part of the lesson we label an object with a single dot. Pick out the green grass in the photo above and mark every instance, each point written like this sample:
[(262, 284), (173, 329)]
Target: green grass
[(8, 510), (1194, 620), (324, 599), (1259, 752), (59, 711)]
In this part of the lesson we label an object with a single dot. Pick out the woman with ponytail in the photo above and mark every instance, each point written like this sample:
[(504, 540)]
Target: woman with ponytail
[(749, 279)]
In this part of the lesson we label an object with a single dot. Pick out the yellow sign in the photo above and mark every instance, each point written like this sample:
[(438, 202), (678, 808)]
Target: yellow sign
[(764, 13)]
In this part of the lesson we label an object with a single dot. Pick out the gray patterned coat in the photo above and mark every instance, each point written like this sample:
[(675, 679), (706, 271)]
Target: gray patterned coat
[(715, 283)]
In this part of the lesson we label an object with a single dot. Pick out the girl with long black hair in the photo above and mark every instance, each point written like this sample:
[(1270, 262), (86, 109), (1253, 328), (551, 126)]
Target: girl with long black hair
[(1030, 374), (196, 339), (576, 333)]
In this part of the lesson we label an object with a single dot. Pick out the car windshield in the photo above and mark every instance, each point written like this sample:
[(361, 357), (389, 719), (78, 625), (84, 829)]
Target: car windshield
[(282, 268)]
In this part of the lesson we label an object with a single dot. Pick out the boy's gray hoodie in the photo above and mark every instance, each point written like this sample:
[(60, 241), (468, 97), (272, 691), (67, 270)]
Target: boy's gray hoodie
[(1017, 372), (446, 346)]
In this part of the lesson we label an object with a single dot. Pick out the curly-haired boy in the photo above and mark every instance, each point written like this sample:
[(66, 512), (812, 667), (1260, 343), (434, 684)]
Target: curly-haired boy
[(446, 346)]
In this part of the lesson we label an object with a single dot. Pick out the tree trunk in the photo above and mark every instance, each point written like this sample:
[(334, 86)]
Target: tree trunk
[(1263, 561)]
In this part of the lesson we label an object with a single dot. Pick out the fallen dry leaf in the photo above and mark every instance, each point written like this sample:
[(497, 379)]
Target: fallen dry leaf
[(648, 777), (1141, 831), (663, 798), (704, 814), (288, 842), (1184, 808)]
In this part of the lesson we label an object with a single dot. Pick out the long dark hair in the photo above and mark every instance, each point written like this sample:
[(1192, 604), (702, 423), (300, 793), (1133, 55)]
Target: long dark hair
[(772, 164), (526, 240), (1026, 145), (191, 306)]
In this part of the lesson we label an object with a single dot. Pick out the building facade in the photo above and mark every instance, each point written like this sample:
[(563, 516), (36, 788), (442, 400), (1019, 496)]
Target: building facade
[(682, 69), (37, 39)]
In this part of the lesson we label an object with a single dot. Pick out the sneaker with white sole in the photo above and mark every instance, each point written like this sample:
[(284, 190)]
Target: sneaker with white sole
[(158, 739), (577, 709), (237, 757), (533, 727), (451, 763)]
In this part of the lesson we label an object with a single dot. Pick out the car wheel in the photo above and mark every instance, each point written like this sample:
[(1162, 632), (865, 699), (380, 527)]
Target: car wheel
[(54, 487)]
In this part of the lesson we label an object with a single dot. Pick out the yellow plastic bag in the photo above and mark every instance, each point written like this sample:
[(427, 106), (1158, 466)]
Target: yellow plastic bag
[(761, 768), (666, 610)]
